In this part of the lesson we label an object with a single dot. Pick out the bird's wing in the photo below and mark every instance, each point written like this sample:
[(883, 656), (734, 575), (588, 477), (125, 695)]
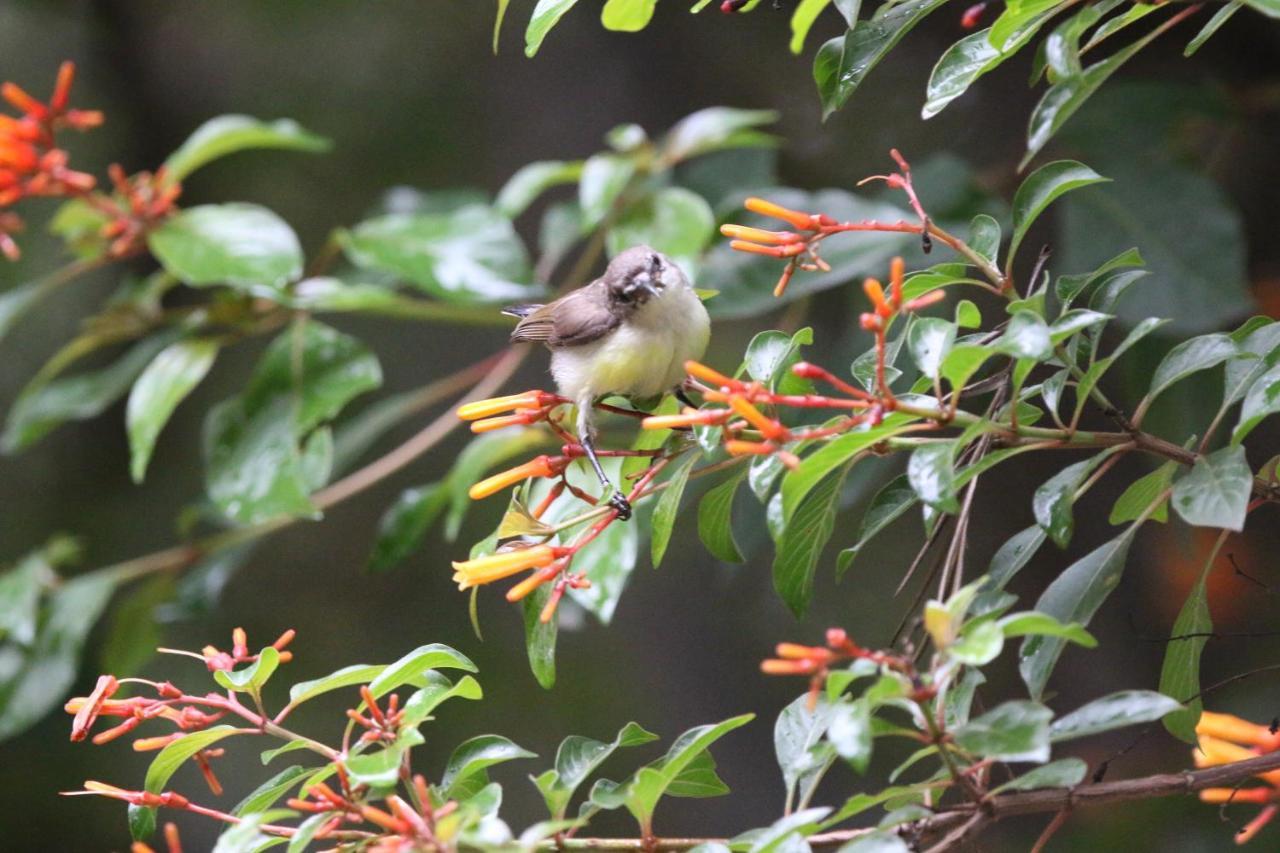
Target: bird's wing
[(579, 318)]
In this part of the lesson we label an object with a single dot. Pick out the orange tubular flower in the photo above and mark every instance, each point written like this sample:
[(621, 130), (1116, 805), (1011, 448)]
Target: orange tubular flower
[(700, 371), (760, 235), (504, 564), (87, 712), (1231, 728), (768, 427), (540, 466), (794, 218), (497, 405), (1226, 739), (735, 447), (875, 292), (788, 251), (687, 418)]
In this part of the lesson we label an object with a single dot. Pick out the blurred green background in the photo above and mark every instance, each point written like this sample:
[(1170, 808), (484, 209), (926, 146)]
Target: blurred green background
[(410, 95)]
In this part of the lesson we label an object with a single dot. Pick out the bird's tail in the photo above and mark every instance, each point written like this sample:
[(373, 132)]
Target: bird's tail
[(521, 311)]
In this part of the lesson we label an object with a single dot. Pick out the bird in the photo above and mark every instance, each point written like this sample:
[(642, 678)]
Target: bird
[(627, 333)]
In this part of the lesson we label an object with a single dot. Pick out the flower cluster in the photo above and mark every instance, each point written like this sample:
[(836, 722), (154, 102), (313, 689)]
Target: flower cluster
[(31, 163), (817, 661), (1225, 739), (800, 246), (750, 431), (402, 825)]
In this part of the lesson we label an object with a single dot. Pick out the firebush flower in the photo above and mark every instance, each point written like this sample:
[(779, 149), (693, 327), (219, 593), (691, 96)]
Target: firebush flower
[(31, 163), (1226, 739), (504, 564)]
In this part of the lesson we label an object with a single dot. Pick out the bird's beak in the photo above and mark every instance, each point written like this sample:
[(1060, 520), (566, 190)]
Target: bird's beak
[(648, 286)]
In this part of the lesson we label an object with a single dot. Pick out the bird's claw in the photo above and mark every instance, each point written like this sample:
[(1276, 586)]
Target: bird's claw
[(621, 505)]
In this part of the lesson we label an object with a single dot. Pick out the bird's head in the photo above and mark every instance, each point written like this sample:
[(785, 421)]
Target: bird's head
[(640, 274)]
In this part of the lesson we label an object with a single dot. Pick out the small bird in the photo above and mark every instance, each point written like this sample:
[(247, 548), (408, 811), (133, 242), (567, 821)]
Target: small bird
[(628, 333)]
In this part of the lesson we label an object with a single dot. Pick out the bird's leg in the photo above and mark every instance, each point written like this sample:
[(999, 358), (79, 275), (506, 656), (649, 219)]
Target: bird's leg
[(683, 397), (586, 431)]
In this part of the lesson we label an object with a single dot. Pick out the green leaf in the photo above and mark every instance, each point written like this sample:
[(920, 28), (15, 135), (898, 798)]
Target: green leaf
[(802, 540), (675, 221), (142, 822), (480, 455), (1074, 596), (604, 177), (545, 16), (1026, 336), (1053, 500), (1030, 623), (879, 841), (770, 356), (893, 499), (627, 16), (38, 678), (265, 795), (404, 524), (651, 782), (412, 665), (745, 284), (1117, 710), (1270, 8), (15, 302), (251, 678), (931, 473), (699, 780), (1063, 773), (436, 690), (1041, 188), (307, 831), (785, 835), (807, 11), (41, 408), (797, 739), (253, 442), (578, 757), (1211, 26), (228, 134), (1013, 731), (540, 637), (474, 756), (1067, 95), (973, 56), (1095, 372), (979, 644), (173, 756), (1180, 672), (665, 513), (348, 676), (244, 246), (1261, 401), (866, 44), (1141, 492), (467, 254), (20, 589), (169, 378), (815, 467), (1188, 357), (716, 129), (715, 519), (531, 181), (928, 341), (381, 769), (247, 837), (1215, 493)]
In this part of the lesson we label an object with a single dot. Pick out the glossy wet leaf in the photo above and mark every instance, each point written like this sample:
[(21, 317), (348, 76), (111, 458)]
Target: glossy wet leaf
[(413, 664), (540, 637), (717, 129), (868, 42), (265, 795), (651, 782), (250, 678), (244, 246), (474, 756), (254, 465), (545, 16), (973, 56), (468, 254), (173, 756), (348, 676), (893, 499), (531, 181), (41, 408), (1041, 188), (1063, 773), (668, 508), (1117, 710), (931, 473), (675, 221), (38, 677), (928, 341), (1139, 495), (1261, 401), (224, 135), (1188, 357), (604, 177), (1074, 596), (803, 538), (1215, 493), (627, 16), (1026, 336), (715, 519), (404, 525), (770, 356), (1211, 26), (797, 484), (165, 382), (1180, 671), (797, 739), (1054, 499), (1013, 731)]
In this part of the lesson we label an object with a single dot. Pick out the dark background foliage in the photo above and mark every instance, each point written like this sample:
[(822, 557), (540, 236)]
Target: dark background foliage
[(410, 95)]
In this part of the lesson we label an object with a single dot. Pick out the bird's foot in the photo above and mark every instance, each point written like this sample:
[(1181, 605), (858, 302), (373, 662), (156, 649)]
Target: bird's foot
[(620, 504)]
